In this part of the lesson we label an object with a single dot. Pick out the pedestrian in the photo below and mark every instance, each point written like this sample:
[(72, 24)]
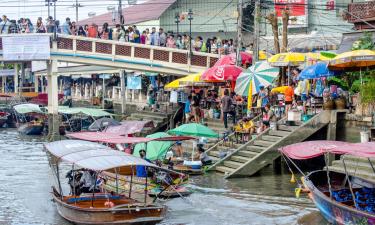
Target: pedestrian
[(148, 37), (4, 25), (162, 38), (92, 31), (131, 34), (263, 97), (73, 28), (86, 29), (179, 43), (137, 35), (29, 26), (81, 32), (198, 44), (116, 32), (208, 45), (50, 25), (155, 40), (65, 28), (304, 90), (213, 46), (268, 116), (106, 33), (171, 43), (187, 110), (122, 34), (143, 37), (40, 28), (289, 97), (195, 106), (227, 108)]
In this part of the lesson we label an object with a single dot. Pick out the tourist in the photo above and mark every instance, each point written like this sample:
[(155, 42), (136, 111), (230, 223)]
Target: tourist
[(213, 46), (137, 35), (122, 34), (81, 32), (198, 44), (268, 116), (186, 42), (187, 110), (142, 170), (227, 108), (154, 37), (65, 28), (4, 25), (92, 31), (73, 28), (171, 43), (40, 28), (179, 42), (131, 34), (116, 32), (88, 181), (304, 90), (162, 38), (208, 45), (86, 28), (195, 106), (263, 97), (106, 32), (50, 25), (148, 37), (289, 97), (143, 37)]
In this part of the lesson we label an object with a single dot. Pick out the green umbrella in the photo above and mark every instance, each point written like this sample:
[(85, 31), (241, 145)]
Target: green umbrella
[(194, 129), (156, 150)]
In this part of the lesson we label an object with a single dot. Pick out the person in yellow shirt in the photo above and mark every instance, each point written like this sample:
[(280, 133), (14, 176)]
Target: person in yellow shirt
[(245, 128)]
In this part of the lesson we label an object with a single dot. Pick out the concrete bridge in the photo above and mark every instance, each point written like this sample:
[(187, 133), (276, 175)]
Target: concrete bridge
[(125, 55)]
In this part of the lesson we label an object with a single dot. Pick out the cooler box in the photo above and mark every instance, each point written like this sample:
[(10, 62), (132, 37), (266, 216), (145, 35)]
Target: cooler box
[(193, 164), (294, 116)]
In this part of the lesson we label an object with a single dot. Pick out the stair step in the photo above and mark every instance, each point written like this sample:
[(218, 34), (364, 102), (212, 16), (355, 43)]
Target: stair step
[(278, 133), (255, 149), (224, 169), (214, 159), (363, 174), (286, 128), (263, 143), (270, 138), (213, 153), (247, 154), (240, 159), (232, 164)]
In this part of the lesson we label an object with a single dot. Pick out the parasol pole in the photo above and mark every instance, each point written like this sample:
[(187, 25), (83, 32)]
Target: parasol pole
[(250, 96)]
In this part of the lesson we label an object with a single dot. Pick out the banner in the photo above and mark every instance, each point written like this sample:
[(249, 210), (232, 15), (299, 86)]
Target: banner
[(298, 12), (134, 82), (26, 47)]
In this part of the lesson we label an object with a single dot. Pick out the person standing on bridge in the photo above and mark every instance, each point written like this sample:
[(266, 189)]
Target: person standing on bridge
[(65, 28), (162, 38), (155, 39), (40, 28), (4, 25)]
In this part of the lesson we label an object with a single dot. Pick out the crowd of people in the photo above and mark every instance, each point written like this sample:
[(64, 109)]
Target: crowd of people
[(119, 33)]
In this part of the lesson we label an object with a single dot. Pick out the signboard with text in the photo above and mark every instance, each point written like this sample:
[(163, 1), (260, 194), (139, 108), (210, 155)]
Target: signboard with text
[(26, 47), (298, 12)]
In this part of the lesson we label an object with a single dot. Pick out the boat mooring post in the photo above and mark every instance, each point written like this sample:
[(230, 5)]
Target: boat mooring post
[(15, 78), (53, 104)]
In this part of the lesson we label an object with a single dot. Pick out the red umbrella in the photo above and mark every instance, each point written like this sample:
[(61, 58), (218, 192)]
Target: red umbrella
[(222, 73), (231, 59)]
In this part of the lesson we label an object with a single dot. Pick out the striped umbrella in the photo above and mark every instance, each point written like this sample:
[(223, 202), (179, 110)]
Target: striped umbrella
[(259, 74)]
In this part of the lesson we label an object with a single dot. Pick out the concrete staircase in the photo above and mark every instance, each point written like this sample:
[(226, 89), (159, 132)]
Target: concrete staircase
[(355, 166), (262, 150)]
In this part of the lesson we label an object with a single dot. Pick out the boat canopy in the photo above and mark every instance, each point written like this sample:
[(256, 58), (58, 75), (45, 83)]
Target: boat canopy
[(27, 108), (112, 138), (130, 127), (311, 149), (87, 111), (107, 138), (94, 156)]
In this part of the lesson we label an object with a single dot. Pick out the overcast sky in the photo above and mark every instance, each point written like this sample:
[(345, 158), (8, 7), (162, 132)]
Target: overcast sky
[(36, 8)]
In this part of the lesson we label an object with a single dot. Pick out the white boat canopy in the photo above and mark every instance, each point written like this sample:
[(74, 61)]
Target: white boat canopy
[(94, 156), (27, 108)]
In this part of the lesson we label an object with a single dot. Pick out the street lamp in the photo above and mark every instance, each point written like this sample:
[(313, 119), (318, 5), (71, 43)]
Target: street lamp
[(190, 18), (177, 20)]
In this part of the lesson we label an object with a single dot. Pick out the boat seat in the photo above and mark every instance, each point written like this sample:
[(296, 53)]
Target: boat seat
[(79, 199)]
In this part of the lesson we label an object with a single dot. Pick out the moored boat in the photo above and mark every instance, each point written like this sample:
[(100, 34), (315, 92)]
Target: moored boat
[(31, 129), (98, 206), (341, 198)]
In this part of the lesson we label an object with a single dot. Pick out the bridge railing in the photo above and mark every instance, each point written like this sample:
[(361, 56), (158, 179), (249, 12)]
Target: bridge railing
[(136, 51)]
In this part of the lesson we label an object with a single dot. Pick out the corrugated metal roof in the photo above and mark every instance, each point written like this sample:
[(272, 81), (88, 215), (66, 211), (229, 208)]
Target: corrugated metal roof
[(150, 10), (349, 38)]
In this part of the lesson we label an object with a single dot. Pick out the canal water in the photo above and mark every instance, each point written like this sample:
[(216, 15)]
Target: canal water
[(268, 199)]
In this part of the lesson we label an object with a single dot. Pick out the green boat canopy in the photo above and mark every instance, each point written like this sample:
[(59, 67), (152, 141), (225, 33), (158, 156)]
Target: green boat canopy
[(194, 129), (27, 108), (87, 111), (156, 150)]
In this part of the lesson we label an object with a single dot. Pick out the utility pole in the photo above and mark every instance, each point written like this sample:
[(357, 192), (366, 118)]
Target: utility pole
[(48, 4), (256, 30), (239, 33), (77, 5), (122, 21)]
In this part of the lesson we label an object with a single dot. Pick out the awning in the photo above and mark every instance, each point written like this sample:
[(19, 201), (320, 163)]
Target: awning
[(27, 108), (130, 127), (5, 73), (107, 138), (93, 156), (87, 111), (312, 149)]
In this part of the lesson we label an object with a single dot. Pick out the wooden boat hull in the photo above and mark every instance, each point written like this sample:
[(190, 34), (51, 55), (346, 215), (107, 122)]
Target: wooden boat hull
[(28, 129), (108, 216), (335, 212)]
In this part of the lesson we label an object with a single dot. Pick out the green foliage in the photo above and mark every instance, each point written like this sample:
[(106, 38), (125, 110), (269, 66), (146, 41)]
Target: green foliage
[(365, 42), (339, 81), (368, 92)]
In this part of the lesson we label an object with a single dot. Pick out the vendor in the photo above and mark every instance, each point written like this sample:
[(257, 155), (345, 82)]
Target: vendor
[(142, 170), (202, 156), (179, 150)]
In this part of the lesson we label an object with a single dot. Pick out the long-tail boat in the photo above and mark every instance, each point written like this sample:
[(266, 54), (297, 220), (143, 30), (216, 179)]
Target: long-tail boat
[(100, 207), (341, 198)]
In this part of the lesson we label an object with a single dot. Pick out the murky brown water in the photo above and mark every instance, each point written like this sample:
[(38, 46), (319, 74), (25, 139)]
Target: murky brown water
[(267, 199)]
